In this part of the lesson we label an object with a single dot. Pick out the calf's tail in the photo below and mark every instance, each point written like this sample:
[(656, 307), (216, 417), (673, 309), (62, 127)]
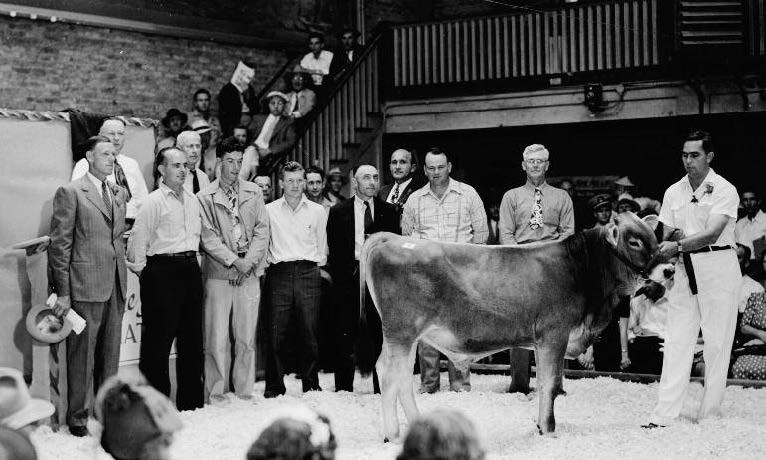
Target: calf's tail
[(366, 353)]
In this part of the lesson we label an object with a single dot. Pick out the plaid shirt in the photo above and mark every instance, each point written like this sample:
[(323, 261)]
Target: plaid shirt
[(458, 216)]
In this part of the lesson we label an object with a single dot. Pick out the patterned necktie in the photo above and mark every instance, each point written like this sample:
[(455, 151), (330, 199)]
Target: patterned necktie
[(195, 181), (536, 220), (107, 201), (122, 181), (395, 196), (236, 229), (367, 219)]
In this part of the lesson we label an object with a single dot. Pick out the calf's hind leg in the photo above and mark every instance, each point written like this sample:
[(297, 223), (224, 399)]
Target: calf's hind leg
[(395, 373), (550, 371)]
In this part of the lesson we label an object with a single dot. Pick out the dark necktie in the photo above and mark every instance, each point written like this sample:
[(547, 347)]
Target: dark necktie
[(107, 201), (367, 219), (121, 180), (536, 220), (195, 182)]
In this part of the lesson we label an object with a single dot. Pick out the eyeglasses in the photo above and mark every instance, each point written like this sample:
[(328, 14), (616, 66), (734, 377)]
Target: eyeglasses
[(535, 161)]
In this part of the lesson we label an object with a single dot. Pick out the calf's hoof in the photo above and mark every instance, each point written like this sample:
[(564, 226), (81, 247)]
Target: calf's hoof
[(523, 390)]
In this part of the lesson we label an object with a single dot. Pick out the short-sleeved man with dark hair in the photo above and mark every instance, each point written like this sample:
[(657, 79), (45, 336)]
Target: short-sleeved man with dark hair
[(698, 213)]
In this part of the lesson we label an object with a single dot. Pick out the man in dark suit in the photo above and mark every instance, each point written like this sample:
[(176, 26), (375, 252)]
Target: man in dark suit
[(350, 52), (273, 134), (235, 96), (87, 264), (349, 223), (403, 166)]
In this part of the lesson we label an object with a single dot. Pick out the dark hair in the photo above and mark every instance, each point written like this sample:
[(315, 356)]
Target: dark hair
[(93, 141), (704, 136), (288, 438), (114, 119), (315, 170), (438, 151), (291, 166), (159, 159), (350, 30), (316, 35), (241, 127), (228, 145), (201, 91), (747, 250), (441, 434)]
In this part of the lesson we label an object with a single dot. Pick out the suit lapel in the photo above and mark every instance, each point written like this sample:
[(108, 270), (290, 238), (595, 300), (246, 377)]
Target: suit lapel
[(94, 196)]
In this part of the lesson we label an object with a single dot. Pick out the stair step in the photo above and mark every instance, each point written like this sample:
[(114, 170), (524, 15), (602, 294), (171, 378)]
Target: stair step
[(363, 129), (351, 145), (375, 114)]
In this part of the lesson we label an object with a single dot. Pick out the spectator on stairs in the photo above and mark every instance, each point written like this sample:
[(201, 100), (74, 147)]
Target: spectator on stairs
[(273, 134)]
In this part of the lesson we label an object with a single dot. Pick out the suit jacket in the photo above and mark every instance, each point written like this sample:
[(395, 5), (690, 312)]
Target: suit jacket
[(230, 107), (282, 140), (306, 102), (86, 252), (416, 183), (340, 60), (220, 249), (340, 235)]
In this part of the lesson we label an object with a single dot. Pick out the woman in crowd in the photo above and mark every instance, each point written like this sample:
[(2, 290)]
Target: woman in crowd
[(750, 358)]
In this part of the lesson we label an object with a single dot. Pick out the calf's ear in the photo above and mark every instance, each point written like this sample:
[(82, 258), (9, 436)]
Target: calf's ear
[(612, 234), (652, 220)]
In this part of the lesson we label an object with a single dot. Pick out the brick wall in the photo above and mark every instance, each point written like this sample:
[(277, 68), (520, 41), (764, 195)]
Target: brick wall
[(53, 66)]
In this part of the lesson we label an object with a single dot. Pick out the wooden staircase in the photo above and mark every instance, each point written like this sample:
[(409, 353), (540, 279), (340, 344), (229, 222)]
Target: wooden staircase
[(348, 128)]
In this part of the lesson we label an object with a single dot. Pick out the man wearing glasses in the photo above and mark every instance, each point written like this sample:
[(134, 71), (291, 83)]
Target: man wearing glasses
[(533, 212)]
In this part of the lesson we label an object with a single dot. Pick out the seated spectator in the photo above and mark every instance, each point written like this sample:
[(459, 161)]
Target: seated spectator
[(441, 435), (750, 358), (350, 51), (237, 101), (300, 434), (173, 123), (317, 62), (274, 135), (201, 111), (749, 285), (137, 421), (15, 445), (601, 206), (18, 410), (240, 134), (625, 202), (648, 313), (335, 182), (301, 100)]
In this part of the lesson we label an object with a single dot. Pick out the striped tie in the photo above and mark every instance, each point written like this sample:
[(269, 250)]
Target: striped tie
[(107, 201)]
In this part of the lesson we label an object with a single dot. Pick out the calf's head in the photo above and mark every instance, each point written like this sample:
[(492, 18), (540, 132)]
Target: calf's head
[(634, 242)]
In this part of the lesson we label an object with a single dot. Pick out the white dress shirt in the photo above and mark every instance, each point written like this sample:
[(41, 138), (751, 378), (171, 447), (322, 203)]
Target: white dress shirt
[(714, 196), (98, 185), (402, 186), (359, 209), (264, 137), (133, 175), (322, 64), (166, 224), (748, 230), (297, 234), (202, 178)]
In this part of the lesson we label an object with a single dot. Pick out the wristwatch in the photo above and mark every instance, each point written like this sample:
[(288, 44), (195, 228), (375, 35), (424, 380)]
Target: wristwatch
[(680, 248)]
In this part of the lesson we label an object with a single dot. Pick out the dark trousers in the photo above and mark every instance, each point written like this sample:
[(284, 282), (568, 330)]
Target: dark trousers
[(171, 308), (645, 355), (294, 295), (93, 355), (348, 337)]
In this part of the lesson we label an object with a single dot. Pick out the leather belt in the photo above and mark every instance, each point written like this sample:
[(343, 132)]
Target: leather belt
[(176, 255), (687, 258)]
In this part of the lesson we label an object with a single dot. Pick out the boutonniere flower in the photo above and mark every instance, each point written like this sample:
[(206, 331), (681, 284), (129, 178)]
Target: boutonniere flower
[(708, 189)]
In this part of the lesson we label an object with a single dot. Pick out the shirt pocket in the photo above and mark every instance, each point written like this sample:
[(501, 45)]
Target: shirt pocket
[(702, 212), (678, 212)]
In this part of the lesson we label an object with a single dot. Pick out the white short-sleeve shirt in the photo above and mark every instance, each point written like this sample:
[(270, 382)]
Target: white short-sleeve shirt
[(690, 210)]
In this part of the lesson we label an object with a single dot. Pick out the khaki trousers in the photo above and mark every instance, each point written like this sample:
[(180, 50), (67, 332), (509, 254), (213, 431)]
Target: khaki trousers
[(235, 306)]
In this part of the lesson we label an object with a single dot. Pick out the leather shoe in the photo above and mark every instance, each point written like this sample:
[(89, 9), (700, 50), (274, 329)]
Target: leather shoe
[(79, 431), (268, 394), (651, 426)]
